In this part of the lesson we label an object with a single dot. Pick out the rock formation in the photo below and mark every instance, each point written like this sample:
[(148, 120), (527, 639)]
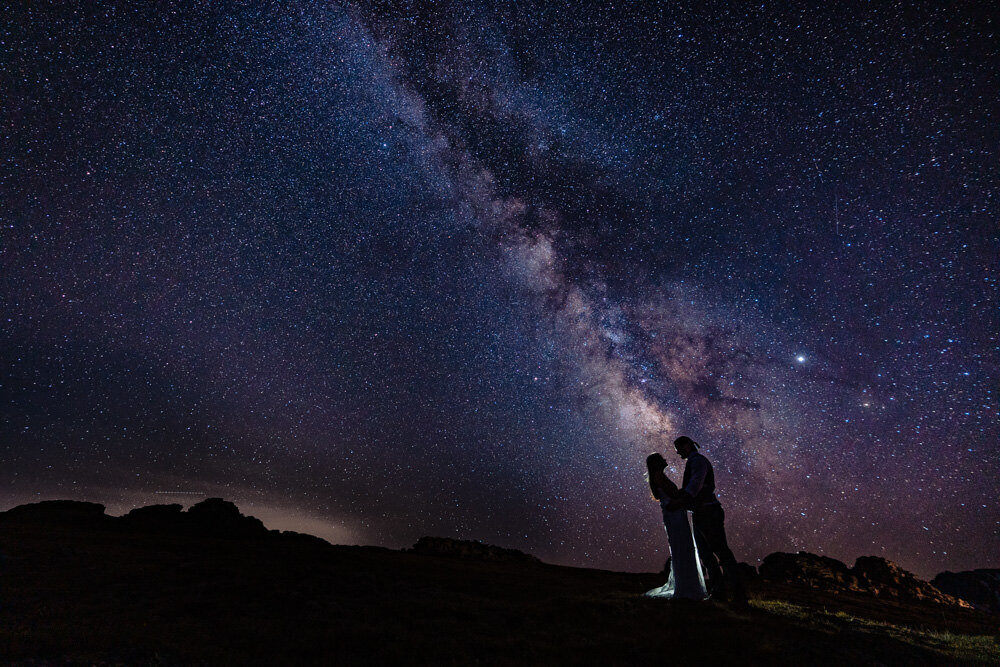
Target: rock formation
[(62, 512), (221, 517), (810, 570), (468, 549), (980, 587), (886, 579), (747, 571), (155, 517), (870, 574), (211, 517)]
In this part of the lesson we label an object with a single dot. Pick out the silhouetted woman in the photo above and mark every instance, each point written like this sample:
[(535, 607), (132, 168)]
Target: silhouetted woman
[(686, 579)]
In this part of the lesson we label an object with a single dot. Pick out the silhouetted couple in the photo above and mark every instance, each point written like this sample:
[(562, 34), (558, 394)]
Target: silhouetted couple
[(697, 494)]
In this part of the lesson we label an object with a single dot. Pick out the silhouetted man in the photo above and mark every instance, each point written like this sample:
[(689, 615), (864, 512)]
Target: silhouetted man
[(698, 495)]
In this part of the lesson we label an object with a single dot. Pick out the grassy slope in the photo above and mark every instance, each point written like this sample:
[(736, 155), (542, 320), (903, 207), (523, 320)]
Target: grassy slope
[(128, 599)]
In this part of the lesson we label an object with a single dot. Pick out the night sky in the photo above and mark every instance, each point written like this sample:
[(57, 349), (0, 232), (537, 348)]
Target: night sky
[(381, 271)]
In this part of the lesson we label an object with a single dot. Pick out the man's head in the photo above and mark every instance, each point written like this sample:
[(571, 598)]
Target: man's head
[(684, 446)]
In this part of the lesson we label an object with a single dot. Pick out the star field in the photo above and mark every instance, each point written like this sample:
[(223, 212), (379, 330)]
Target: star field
[(385, 270)]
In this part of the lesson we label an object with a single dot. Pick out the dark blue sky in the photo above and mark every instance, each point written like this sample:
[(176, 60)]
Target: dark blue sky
[(439, 268)]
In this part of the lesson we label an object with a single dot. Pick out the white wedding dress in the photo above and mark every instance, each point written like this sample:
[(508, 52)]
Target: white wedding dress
[(686, 579)]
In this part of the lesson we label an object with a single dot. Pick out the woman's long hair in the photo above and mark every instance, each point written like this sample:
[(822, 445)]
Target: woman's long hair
[(655, 465)]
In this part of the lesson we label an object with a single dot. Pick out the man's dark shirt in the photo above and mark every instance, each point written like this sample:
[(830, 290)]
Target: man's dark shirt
[(699, 480)]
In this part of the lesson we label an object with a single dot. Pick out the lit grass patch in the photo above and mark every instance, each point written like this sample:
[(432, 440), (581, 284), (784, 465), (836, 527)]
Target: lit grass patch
[(958, 647)]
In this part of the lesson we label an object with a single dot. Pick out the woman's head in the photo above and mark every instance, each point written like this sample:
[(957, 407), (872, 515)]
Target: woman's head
[(655, 465)]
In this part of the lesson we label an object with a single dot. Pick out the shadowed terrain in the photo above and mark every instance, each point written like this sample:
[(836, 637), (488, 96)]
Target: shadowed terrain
[(209, 586)]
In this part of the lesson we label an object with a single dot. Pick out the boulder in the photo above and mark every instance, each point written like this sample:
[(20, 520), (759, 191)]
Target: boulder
[(155, 517), (887, 579), (810, 570), (64, 512), (747, 572), (291, 537), (221, 518), (469, 549), (870, 574), (980, 588)]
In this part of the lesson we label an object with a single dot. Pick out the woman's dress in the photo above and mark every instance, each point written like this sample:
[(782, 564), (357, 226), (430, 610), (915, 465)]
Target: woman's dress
[(686, 579)]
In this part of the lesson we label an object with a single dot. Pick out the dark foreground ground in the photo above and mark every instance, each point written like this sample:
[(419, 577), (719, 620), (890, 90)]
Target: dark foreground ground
[(84, 596)]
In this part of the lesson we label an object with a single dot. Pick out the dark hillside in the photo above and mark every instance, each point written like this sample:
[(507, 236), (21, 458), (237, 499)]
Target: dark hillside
[(210, 586)]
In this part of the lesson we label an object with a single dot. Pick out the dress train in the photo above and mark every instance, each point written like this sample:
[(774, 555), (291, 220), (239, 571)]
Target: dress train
[(686, 579)]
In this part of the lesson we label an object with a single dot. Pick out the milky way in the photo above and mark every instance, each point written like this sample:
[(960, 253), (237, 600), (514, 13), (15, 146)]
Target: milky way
[(387, 270)]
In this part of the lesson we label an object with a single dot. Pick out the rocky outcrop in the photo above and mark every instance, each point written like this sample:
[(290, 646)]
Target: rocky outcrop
[(468, 549), (216, 516), (59, 512), (213, 517), (810, 570), (886, 579), (747, 572), (981, 588), (155, 517), (870, 574)]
